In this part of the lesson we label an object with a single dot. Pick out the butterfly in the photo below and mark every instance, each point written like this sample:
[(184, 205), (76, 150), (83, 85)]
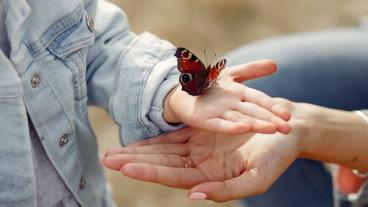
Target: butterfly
[(195, 78)]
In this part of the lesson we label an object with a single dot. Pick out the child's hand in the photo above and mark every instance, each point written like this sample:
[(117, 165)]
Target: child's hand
[(229, 106)]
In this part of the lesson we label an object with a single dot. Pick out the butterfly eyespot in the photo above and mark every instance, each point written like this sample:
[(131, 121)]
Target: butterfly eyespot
[(186, 55), (186, 78)]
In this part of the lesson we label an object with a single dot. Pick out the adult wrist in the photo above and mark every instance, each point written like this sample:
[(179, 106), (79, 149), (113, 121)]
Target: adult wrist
[(335, 136), (364, 116), (304, 121)]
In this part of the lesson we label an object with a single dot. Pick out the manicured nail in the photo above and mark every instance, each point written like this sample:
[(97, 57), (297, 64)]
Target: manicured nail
[(198, 196)]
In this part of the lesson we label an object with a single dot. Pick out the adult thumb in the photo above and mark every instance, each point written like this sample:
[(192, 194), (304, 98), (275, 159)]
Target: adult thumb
[(245, 185)]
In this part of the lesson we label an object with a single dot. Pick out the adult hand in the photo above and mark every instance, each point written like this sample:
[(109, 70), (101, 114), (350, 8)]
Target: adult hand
[(219, 167), (224, 167)]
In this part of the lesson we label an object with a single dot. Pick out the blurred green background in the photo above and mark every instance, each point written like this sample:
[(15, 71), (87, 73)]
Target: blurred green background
[(217, 26)]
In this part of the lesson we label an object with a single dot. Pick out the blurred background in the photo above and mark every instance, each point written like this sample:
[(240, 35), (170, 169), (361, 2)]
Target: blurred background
[(217, 26)]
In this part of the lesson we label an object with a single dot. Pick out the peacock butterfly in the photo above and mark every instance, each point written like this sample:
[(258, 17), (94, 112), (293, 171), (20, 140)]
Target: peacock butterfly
[(195, 78)]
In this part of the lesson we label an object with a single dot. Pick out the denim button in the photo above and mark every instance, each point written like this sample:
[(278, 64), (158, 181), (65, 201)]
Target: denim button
[(90, 23), (82, 183), (35, 80), (63, 140)]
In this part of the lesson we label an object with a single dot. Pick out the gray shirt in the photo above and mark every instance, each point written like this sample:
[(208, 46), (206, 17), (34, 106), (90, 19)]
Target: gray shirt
[(50, 188)]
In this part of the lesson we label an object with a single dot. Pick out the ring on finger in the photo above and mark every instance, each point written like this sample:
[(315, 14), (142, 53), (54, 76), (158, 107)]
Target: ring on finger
[(185, 162)]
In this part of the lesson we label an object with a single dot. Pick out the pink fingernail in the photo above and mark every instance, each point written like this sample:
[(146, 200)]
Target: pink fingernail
[(198, 196)]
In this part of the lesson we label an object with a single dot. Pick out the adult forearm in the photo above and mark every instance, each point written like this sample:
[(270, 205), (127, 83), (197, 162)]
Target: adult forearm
[(333, 136)]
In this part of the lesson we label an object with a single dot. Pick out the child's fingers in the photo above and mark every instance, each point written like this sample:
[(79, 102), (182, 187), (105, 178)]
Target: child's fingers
[(258, 112), (251, 70), (256, 125), (265, 101), (282, 127), (226, 126)]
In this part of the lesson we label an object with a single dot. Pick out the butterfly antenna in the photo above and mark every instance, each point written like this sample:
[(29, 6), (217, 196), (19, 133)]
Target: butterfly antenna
[(205, 56), (213, 59)]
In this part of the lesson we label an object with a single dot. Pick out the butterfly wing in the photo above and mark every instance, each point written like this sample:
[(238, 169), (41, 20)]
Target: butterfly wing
[(194, 74), (188, 62), (216, 69)]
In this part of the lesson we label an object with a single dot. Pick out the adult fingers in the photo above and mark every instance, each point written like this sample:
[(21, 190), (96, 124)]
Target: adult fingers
[(247, 184), (116, 162), (173, 177), (179, 136), (251, 70), (180, 149)]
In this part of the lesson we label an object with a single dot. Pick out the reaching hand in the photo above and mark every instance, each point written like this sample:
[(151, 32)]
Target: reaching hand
[(219, 167), (229, 106)]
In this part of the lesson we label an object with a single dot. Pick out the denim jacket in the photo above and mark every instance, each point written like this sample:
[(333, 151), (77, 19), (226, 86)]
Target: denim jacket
[(60, 62)]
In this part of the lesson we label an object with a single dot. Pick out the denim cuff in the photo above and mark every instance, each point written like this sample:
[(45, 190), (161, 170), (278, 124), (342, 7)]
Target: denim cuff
[(146, 73), (156, 112)]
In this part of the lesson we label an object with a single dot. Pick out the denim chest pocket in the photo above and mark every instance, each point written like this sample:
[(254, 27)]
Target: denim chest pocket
[(71, 48)]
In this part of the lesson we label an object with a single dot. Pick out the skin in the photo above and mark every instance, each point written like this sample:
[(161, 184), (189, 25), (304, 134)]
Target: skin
[(224, 167), (229, 106)]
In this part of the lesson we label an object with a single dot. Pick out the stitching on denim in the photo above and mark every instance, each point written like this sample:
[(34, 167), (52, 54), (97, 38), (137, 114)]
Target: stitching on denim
[(75, 46), (138, 96), (116, 82), (160, 57), (56, 29), (61, 104), (25, 62)]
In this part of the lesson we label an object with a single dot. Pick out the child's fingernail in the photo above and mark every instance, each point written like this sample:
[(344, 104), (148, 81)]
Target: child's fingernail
[(198, 196)]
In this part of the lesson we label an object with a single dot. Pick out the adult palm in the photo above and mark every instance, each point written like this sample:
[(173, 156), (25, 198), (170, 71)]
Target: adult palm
[(220, 167)]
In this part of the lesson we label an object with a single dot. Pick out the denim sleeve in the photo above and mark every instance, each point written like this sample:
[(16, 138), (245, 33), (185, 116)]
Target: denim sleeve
[(129, 74)]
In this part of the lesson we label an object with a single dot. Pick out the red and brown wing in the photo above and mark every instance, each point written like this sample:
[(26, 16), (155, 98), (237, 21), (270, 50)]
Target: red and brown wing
[(216, 69), (188, 62)]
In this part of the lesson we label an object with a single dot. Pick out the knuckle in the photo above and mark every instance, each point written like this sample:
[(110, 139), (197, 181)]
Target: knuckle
[(281, 100), (243, 106), (228, 115), (235, 89)]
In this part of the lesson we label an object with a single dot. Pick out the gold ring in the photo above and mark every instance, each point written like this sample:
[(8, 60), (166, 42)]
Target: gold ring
[(185, 162)]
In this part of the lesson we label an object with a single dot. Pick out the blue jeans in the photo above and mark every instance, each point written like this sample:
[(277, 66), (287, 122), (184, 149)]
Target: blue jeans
[(324, 68)]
